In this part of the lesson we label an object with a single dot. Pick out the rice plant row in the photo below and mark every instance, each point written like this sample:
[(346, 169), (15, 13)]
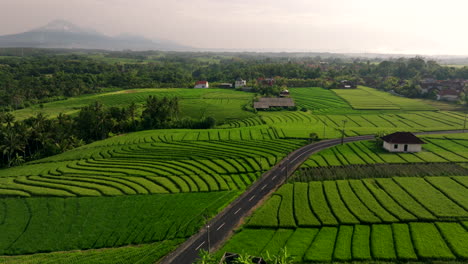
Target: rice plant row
[(380, 170), (367, 152), (412, 241), (368, 201), (147, 168), (31, 225), (371, 99), (143, 254)]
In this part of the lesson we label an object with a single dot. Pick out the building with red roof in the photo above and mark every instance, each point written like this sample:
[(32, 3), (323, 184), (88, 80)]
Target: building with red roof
[(202, 84)]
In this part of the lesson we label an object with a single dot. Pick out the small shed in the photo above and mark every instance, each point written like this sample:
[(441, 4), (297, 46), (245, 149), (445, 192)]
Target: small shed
[(266, 103), (402, 142), (201, 84)]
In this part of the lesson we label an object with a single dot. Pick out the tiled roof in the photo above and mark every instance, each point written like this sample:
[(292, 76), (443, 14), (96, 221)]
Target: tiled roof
[(402, 138)]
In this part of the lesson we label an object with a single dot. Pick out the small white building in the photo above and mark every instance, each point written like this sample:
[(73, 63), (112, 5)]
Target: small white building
[(201, 84), (402, 142), (240, 83)]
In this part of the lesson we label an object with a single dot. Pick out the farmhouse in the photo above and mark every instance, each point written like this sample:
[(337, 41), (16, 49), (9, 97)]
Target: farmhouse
[(266, 103), (402, 142), (202, 84), (240, 83)]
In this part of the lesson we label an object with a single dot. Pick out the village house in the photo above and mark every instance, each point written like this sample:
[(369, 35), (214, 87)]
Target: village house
[(402, 142), (201, 84), (267, 103), (240, 83)]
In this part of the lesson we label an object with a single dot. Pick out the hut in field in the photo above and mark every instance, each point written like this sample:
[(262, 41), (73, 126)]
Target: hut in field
[(402, 142)]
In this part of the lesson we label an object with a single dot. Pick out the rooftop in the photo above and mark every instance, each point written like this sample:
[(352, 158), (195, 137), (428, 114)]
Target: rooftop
[(402, 138)]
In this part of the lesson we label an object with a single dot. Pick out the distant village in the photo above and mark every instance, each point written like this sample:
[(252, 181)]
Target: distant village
[(443, 90)]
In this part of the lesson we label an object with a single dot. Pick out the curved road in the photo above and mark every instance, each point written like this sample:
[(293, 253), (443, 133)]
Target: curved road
[(221, 226)]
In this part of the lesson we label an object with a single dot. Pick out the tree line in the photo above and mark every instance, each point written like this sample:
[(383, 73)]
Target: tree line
[(42, 77), (40, 136)]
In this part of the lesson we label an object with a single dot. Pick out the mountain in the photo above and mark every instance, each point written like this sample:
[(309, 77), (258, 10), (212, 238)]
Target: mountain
[(63, 34)]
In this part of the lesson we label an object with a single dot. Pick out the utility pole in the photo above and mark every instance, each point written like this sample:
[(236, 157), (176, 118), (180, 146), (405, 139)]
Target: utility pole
[(324, 126), (464, 123), (342, 132), (209, 242)]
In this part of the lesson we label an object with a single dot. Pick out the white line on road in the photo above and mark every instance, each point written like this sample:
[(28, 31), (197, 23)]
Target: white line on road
[(274, 177), (237, 211), (200, 246), (220, 226), (264, 186), (251, 198)]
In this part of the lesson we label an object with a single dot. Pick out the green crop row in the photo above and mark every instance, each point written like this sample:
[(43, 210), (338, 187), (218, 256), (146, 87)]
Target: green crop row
[(31, 225), (368, 201), (385, 242), (436, 150)]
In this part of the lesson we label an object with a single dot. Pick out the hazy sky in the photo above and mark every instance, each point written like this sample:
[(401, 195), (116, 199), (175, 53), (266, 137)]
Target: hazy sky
[(396, 26)]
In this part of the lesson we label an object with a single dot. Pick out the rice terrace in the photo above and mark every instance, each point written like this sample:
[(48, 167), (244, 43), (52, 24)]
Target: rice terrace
[(138, 171)]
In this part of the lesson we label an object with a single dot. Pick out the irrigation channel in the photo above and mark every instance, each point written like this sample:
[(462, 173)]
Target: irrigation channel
[(221, 226)]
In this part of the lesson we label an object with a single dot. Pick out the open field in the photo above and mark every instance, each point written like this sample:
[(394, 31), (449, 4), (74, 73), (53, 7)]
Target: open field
[(152, 162), (403, 218), (443, 148), (385, 207), (222, 104), (367, 201), (55, 224), (142, 254), (441, 241), (318, 100), (365, 98)]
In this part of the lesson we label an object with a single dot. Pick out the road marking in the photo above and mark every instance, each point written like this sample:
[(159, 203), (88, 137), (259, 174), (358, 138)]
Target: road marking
[(237, 211), (220, 226), (264, 186), (200, 246), (251, 198), (274, 177)]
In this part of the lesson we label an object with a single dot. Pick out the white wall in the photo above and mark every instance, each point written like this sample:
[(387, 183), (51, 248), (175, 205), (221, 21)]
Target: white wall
[(401, 147), (240, 83), (202, 86)]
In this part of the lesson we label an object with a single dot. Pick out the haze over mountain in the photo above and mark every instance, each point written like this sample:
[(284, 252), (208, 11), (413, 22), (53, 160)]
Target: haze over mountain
[(63, 34)]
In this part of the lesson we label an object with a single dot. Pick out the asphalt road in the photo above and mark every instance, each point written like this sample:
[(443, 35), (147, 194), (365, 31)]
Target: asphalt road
[(220, 227)]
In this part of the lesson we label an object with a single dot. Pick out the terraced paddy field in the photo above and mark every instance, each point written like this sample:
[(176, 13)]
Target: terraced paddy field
[(318, 100), (222, 104), (365, 98), (301, 124), (149, 187), (400, 218), (363, 205), (438, 148)]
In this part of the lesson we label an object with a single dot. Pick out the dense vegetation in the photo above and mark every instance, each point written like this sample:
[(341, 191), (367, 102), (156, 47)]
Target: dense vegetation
[(38, 136), (45, 76)]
